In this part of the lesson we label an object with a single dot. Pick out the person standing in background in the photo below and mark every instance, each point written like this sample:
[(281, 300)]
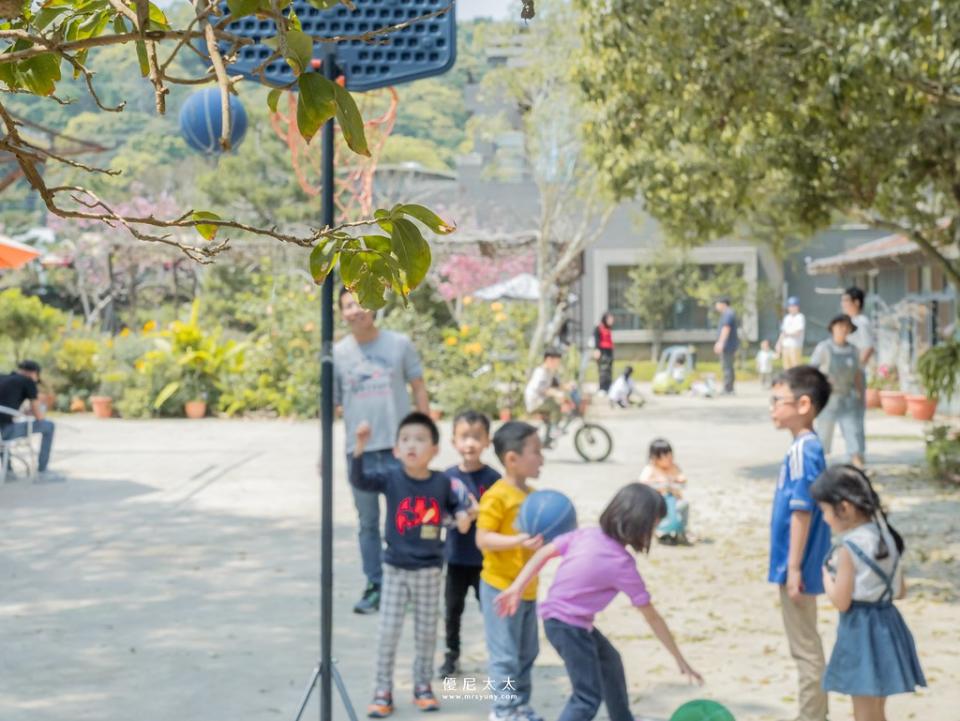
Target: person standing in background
[(603, 350), (727, 342), (373, 370), (792, 331), (851, 303)]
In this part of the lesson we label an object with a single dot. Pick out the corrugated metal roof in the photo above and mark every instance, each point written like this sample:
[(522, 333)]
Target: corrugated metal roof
[(889, 248)]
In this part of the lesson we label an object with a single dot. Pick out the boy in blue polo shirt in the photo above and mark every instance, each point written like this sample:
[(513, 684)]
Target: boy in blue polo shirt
[(799, 537)]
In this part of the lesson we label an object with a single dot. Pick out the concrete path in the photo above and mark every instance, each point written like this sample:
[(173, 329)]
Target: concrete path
[(173, 577)]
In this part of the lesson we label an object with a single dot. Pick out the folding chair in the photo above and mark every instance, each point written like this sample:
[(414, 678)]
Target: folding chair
[(19, 449)]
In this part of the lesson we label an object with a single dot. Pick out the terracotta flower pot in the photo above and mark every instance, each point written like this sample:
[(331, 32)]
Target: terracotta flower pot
[(921, 407), (436, 414), (195, 409), (48, 399), (77, 405), (894, 403), (102, 406), (873, 398), (506, 414)]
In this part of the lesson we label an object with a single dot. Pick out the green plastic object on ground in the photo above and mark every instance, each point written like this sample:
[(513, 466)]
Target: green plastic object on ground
[(702, 710)]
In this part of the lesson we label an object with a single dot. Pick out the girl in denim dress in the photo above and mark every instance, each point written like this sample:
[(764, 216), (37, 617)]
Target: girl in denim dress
[(874, 655)]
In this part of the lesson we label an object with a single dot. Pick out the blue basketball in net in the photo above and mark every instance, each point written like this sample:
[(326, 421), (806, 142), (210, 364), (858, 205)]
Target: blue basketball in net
[(547, 513), (702, 710), (200, 119)]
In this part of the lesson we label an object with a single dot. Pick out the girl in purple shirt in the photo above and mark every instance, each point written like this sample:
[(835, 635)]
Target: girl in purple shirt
[(595, 567)]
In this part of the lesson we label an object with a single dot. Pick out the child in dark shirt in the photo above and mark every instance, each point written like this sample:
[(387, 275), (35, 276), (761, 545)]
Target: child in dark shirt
[(471, 436), (417, 498)]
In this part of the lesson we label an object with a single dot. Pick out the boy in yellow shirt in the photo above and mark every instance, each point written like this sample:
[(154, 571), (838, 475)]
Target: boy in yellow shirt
[(512, 643)]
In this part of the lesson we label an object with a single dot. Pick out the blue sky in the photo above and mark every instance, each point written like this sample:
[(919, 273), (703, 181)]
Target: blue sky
[(498, 9)]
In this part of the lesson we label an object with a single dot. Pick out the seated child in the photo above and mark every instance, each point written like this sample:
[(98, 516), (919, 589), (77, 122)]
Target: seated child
[(665, 476), (623, 388)]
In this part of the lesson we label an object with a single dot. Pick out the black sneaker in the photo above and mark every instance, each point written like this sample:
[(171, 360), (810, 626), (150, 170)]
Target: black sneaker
[(450, 667), (370, 602)]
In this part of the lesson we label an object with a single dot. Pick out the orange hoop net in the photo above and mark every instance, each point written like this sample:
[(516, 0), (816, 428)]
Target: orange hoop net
[(353, 194)]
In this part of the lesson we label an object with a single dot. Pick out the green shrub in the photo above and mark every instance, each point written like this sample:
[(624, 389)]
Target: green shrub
[(25, 320)]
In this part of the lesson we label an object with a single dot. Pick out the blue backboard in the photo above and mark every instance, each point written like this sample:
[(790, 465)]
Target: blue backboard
[(426, 48)]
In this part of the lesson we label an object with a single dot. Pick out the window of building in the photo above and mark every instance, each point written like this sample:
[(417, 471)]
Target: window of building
[(688, 314)]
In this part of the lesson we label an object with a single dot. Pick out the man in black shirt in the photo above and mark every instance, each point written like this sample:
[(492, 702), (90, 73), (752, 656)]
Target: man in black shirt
[(20, 386)]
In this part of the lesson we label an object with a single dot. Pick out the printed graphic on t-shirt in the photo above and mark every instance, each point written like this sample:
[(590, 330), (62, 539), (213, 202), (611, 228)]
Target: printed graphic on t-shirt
[(370, 379), (419, 512)]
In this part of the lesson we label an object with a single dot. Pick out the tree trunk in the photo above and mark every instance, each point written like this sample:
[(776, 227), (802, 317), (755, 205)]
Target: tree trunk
[(537, 339), (656, 346)]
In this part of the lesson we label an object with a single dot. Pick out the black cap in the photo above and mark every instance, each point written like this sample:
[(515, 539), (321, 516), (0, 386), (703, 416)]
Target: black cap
[(31, 366), (842, 318)]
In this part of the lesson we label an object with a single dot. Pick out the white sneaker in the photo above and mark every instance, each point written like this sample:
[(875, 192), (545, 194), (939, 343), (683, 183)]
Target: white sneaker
[(507, 715), (527, 713), (49, 476)]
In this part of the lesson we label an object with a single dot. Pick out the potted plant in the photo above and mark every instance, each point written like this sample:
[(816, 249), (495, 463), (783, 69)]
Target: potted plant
[(938, 370), (111, 386), (892, 399), (874, 386)]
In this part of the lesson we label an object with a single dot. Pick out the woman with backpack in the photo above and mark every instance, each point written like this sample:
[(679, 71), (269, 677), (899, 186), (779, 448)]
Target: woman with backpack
[(839, 361)]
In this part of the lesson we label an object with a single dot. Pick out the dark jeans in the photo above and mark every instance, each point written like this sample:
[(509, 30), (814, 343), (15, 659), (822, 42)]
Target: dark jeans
[(44, 428), (605, 368), (595, 671), (727, 360), (368, 513), (460, 579)]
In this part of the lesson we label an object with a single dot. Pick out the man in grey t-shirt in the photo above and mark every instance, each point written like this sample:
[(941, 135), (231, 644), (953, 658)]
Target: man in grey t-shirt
[(372, 371)]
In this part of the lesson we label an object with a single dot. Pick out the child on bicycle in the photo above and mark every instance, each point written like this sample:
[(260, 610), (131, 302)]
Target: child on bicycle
[(543, 395), (666, 477)]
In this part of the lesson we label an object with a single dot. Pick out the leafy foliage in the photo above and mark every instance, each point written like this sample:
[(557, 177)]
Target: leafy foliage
[(37, 40), (25, 320), (939, 370), (656, 288), (772, 118)]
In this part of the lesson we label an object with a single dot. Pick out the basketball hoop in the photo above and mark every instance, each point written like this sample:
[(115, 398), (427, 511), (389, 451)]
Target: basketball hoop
[(353, 192)]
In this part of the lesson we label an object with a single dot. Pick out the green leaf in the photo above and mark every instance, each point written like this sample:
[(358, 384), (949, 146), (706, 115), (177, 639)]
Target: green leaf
[(350, 267), (273, 97), (166, 394), (241, 8), (142, 57), (207, 230), (380, 243), (315, 104), (427, 217), (324, 4), (299, 51), (351, 122), (119, 26), (322, 259), (9, 76), (40, 73), (411, 250), (370, 292), (157, 20), (296, 24), (47, 16)]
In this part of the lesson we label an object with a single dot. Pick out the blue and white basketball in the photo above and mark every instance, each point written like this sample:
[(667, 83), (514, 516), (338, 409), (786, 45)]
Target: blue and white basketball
[(547, 513)]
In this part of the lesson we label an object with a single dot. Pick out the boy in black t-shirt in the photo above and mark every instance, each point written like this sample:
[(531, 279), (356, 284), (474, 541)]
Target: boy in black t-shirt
[(471, 436), (417, 498)]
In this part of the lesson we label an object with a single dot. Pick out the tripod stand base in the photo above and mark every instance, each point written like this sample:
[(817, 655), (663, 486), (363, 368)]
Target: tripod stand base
[(341, 688)]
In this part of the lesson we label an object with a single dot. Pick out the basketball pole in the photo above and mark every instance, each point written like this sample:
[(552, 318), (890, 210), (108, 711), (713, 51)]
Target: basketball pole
[(326, 419)]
